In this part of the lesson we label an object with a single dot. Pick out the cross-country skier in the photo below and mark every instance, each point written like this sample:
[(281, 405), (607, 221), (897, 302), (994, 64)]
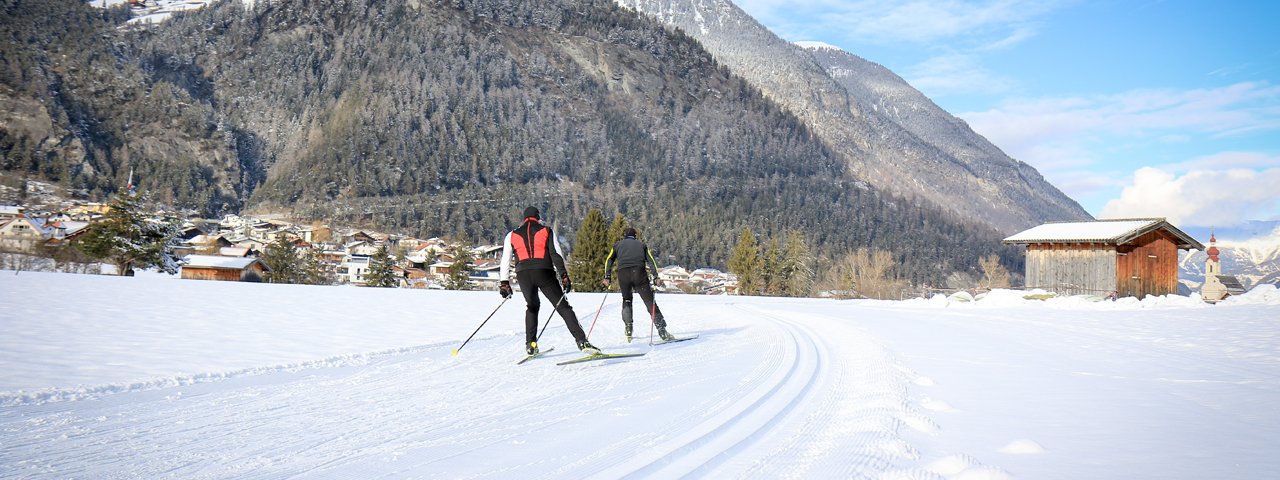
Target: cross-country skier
[(538, 260), (632, 255)]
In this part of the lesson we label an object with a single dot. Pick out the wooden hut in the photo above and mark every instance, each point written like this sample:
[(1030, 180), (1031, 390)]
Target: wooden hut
[(1126, 257), (230, 269)]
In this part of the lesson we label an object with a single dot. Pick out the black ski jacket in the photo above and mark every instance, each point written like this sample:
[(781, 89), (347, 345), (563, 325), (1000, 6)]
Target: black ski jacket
[(629, 253)]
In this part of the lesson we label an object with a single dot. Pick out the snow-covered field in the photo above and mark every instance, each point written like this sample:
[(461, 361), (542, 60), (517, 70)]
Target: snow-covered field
[(155, 377)]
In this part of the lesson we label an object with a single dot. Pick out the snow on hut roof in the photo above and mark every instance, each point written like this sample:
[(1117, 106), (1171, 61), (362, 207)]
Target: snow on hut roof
[(1114, 232), (217, 261)]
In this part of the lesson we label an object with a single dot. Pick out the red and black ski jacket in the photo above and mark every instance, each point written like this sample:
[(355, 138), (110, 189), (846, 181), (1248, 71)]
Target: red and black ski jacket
[(534, 246)]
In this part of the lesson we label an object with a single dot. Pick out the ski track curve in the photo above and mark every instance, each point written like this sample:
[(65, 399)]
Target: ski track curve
[(409, 413)]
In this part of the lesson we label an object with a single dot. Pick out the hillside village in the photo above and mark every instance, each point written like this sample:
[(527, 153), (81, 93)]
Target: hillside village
[(229, 249)]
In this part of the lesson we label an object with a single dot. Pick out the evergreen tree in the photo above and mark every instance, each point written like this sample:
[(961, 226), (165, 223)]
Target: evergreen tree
[(130, 239), (459, 272), (315, 269), (746, 264), (282, 261), (380, 272), (590, 247), (771, 278), (797, 266)]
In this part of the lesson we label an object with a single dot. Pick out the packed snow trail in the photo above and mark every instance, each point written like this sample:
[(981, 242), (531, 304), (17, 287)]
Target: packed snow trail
[(103, 377), (709, 406)]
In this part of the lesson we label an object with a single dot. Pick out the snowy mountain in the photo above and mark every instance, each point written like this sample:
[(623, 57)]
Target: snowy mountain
[(1250, 252), (157, 377), (890, 134)]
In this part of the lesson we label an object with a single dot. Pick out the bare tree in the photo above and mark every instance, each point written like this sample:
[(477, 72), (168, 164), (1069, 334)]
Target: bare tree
[(865, 273), (994, 275)]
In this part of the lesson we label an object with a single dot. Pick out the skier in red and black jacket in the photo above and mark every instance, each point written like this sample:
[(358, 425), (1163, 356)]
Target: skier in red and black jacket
[(632, 256), (538, 261)]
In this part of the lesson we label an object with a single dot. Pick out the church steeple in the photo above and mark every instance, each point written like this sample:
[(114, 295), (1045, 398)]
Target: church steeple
[(1213, 266), (1213, 249)]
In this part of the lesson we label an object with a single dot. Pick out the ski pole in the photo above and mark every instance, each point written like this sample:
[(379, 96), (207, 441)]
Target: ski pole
[(598, 310), (486, 320), (653, 322), (548, 322)]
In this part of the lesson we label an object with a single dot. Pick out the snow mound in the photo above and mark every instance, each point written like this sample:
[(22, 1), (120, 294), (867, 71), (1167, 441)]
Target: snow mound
[(1265, 294), (965, 467), (1022, 446)]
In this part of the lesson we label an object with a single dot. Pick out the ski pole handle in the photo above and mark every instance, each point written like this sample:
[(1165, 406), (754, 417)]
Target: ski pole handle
[(486, 320)]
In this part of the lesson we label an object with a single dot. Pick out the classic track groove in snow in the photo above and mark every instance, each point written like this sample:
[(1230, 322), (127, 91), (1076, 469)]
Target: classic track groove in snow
[(329, 382)]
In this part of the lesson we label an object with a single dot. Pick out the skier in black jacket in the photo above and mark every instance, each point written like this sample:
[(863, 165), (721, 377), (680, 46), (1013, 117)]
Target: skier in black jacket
[(538, 260), (631, 256)]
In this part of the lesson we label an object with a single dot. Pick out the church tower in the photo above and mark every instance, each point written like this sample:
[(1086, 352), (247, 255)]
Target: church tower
[(1216, 285)]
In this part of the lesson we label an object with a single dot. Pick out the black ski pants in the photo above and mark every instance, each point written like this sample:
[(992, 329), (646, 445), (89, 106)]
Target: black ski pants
[(545, 279), (635, 278)]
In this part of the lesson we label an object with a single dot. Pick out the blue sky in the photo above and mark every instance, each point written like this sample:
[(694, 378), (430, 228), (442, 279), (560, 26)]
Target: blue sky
[(1133, 108)]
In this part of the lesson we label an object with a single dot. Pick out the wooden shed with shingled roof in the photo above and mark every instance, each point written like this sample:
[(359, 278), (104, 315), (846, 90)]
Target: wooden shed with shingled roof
[(1127, 257)]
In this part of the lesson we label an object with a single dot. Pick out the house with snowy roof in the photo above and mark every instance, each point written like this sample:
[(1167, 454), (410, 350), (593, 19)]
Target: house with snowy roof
[(22, 233), (216, 267), (1122, 257), (10, 211)]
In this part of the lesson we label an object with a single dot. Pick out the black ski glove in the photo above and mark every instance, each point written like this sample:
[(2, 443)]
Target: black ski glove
[(564, 282), (505, 289)]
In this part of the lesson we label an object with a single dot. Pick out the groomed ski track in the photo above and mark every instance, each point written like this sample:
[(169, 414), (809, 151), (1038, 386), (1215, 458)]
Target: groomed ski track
[(739, 402)]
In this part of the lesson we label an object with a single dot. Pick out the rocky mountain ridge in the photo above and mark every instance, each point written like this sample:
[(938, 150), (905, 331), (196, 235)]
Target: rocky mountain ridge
[(889, 133)]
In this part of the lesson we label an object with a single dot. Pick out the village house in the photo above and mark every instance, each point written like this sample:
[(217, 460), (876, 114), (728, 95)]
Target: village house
[(88, 212), (352, 269), (22, 233), (217, 267), (8, 212), (1123, 257), (673, 274), (411, 277)]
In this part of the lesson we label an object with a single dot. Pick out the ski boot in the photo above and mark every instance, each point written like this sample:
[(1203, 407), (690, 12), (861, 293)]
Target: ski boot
[(626, 330), (588, 348), (666, 337), (531, 348)]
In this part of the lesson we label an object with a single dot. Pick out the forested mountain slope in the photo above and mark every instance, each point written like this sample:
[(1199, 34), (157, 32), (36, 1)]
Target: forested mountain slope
[(449, 117)]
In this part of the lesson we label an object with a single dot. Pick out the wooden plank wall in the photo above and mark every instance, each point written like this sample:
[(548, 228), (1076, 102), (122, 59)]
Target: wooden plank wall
[(1072, 269), (1148, 265), (197, 273)]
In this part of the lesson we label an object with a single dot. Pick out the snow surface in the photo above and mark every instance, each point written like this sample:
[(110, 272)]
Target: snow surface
[(217, 261), (1077, 231), (814, 45), (158, 377)]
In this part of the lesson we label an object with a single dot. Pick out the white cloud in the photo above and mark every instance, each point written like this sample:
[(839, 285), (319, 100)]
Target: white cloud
[(986, 23), (1038, 131), (954, 73), (1199, 197), (1227, 160), (918, 21)]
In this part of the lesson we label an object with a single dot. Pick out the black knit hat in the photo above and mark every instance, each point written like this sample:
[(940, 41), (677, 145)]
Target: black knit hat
[(532, 212), (629, 232)]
